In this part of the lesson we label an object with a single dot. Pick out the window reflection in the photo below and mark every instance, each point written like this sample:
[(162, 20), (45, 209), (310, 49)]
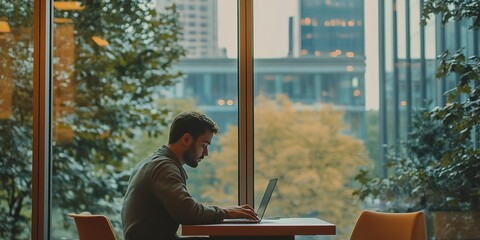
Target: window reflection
[(112, 63), (16, 118)]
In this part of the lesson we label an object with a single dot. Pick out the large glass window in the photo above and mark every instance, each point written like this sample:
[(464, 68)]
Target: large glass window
[(16, 115), (309, 127), (419, 140), (210, 85), (121, 71)]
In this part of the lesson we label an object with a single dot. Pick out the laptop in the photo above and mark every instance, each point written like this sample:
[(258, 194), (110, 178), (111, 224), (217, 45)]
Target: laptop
[(261, 208)]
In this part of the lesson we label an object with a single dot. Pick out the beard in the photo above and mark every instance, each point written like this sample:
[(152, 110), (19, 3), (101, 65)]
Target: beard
[(190, 158)]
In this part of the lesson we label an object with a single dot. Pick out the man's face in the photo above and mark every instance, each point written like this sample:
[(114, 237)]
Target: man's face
[(198, 149)]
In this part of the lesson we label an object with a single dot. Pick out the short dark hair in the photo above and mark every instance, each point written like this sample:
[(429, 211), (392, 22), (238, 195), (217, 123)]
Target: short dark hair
[(193, 123)]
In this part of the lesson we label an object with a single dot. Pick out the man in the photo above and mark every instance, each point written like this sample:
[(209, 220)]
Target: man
[(157, 199)]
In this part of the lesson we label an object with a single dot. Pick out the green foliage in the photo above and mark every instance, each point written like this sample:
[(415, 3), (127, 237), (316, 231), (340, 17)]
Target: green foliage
[(113, 97), (440, 169), (452, 10), (15, 178), (16, 131), (462, 114), (425, 176)]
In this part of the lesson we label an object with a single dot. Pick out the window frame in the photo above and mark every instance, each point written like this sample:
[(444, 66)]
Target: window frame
[(42, 119)]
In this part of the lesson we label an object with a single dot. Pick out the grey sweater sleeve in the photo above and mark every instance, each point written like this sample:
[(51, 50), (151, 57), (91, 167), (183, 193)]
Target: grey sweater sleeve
[(169, 187)]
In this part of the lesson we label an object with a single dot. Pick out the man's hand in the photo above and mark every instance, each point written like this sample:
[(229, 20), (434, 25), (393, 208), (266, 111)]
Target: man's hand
[(244, 211)]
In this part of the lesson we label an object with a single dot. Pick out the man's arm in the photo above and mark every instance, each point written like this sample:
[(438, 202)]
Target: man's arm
[(169, 188)]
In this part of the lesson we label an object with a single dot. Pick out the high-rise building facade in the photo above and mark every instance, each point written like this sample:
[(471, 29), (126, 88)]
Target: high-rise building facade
[(212, 82), (334, 31), (199, 21), (331, 72), (332, 28), (407, 66)]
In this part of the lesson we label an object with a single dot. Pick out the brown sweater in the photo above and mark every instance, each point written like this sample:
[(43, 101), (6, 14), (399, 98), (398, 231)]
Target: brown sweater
[(157, 200)]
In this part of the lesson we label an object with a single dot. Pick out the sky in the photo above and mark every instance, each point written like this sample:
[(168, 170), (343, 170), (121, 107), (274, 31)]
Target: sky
[(271, 35)]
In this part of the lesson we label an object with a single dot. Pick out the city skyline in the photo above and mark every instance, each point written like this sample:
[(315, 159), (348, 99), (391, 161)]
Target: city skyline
[(271, 35), (329, 69)]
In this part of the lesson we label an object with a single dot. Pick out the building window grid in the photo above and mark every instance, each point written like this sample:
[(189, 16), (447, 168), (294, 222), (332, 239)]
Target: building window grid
[(452, 36)]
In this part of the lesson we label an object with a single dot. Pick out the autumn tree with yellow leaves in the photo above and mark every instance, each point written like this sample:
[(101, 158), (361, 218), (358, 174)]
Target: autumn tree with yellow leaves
[(307, 151)]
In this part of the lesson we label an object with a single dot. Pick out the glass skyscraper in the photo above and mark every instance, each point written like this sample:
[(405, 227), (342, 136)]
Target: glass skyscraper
[(332, 28), (407, 64)]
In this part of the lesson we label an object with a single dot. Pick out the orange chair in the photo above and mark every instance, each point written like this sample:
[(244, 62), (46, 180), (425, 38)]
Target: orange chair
[(392, 226), (93, 227)]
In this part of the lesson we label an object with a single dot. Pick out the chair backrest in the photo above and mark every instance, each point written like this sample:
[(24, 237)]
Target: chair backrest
[(392, 226), (93, 227)]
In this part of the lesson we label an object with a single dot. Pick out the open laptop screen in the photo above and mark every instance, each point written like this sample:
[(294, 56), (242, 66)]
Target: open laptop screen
[(261, 208), (266, 198)]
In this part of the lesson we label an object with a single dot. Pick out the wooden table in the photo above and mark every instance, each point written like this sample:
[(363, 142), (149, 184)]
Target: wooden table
[(283, 228)]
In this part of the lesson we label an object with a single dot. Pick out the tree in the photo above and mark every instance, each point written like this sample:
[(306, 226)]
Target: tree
[(440, 168), (110, 58), (416, 183), (307, 151), (462, 114), (16, 96)]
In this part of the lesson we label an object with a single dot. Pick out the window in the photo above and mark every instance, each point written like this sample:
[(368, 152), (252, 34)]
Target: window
[(308, 128), (16, 118), (333, 88), (94, 91)]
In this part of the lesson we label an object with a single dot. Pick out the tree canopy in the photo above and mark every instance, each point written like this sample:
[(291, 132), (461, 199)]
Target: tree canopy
[(109, 60)]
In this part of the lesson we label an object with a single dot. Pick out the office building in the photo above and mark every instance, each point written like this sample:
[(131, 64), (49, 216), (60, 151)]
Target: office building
[(329, 70), (199, 22), (211, 82), (332, 28), (407, 65)]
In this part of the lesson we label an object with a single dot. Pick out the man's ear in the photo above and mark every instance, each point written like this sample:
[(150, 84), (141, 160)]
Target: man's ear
[(186, 139)]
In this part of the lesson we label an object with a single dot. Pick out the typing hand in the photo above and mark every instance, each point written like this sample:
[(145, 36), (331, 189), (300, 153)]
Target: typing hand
[(244, 211)]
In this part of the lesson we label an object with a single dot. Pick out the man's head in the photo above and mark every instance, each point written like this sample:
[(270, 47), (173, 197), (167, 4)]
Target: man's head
[(192, 132)]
